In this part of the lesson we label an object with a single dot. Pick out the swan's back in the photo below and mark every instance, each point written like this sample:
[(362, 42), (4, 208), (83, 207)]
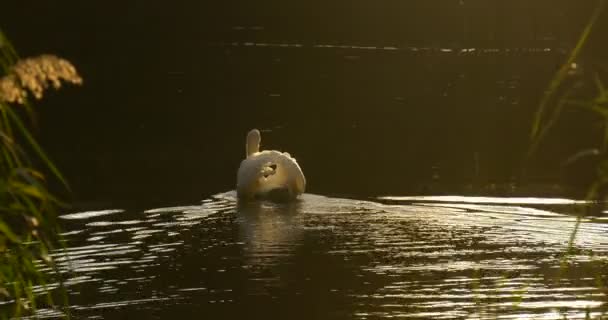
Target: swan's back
[(269, 174)]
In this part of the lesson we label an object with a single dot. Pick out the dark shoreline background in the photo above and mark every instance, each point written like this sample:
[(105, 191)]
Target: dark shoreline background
[(372, 98)]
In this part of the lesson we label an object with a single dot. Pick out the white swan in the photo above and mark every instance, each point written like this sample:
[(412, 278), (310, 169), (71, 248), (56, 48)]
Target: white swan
[(268, 174)]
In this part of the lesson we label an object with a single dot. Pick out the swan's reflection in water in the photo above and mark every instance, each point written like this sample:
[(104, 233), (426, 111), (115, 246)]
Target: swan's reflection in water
[(269, 230), (451, 258)]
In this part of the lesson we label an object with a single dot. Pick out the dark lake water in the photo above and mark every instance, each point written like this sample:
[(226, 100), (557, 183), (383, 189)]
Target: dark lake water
[(414, 89), (333, 258), (419, 99)]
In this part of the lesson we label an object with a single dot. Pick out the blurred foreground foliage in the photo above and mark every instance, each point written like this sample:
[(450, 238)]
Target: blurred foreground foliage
[(574, 88), (28, 229), (581, 90)]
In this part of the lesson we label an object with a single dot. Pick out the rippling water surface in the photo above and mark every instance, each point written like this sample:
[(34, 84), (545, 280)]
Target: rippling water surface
[(403, 257)]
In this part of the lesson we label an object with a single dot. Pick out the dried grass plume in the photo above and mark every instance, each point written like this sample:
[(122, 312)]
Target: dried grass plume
[(35, 75)]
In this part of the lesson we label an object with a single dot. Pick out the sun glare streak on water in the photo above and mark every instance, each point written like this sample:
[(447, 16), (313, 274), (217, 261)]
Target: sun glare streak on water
[(389, 48), (406, 257), (495, 200)]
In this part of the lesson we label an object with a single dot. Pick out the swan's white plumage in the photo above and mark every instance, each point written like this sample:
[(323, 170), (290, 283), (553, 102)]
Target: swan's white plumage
[(264, 172)]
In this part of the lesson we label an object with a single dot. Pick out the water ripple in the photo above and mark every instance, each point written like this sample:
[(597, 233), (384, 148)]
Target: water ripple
[(405, 257)]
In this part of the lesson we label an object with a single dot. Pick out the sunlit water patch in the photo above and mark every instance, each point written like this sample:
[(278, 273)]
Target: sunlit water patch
[(440, 258)]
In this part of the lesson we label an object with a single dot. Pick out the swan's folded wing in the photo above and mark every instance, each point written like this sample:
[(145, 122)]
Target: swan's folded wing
[(299, 177), (295, 176), (251, 179)]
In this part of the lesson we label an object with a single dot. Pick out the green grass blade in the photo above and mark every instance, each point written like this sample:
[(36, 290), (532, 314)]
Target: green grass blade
[(559, 77), (30, 139), (8, 233)]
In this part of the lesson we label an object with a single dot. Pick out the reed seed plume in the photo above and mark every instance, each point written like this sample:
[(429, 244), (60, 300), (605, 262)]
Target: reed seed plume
[(36, 75)]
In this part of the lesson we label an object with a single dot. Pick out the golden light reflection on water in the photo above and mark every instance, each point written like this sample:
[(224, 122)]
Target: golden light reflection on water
[(414, 257), (481, 200)]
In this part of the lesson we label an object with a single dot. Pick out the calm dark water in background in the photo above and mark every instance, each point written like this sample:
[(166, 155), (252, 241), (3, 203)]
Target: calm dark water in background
[(372, 98), (171, 90)]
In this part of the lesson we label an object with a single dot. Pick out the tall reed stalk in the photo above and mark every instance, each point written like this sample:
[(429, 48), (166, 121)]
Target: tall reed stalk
[(28, 229), (559, 95)]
